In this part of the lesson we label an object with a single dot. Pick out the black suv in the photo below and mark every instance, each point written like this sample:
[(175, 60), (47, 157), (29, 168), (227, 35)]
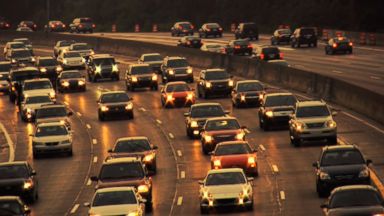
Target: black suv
[(281, 36), (211, 29), (182, 28), (16, 79), (176, 69), (190, 41), (19, 179), (116, 103), (102, 66), (338, 44), (140, 75), (247, 30), (238, 47), (247, 92), (84, 25), (214, 82), (266, 53), (340, 165), (304, 35)]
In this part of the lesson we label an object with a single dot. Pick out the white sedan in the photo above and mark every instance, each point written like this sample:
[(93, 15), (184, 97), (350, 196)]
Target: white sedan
[(31, 103)]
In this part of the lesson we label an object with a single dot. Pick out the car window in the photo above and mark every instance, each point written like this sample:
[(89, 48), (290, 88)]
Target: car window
[(104, 61), (342, 157), (270, 50), (51, 112), (251, 86), (38, 99), (13, 171), (114, 198), (177, 63), (241, 43), (80, 47), (152, 58), (21, 54), (4, 76), (307, 31), (231, 149), (207, 111), (213, 25), (141, 70), (177, 88), (225, 178), (37, 85), (66, 75), (350, 198), (216, 75), (227, 124), (312, 111), (17, 45), (24, 75), (5, 67), (113, 98), (132, 146), (56, 130), (280, 100), (121, 171)]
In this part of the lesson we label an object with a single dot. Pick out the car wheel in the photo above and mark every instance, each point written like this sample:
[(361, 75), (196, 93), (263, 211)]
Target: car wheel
[(249, 207), (189, 133), (12, 98), (131, 115), (266, 126), (298, 45), (315, 44), (101, 117)]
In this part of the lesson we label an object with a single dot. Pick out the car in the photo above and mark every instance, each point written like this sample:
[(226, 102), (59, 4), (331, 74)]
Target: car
[(125, 171), (247, 93), (312, 120), (198, 114), (31, 103), (182, 28), (49, 67), (140, 75), (177, 94), (13, 206), (83, 48), (235, 154), (340, 165), (190, 41), (214, 81), (211, 47), (225, 187), (116, 103), (5, 68), (220, 129), (29, 24), (210, 29), (267, 53), (4, 24), (53, 113), (138, 146), (102, 66), (24, 29), (55, 26), (83, 24), (12, 45), (238, 47), (247, 30), (71, 60), (281, 36), (354, 200), (16, 79), (71, 80), (275, 109), (26, 41), (38, 86), (19, 57), (153, 59), (51, 137), (62, 45), (176, 69), (337, 45), (304, 35), (116, 201)]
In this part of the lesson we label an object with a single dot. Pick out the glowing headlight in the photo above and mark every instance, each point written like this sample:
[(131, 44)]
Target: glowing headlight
[(98, 69), (206, 195), (169, 97), (364, 173), (299, 126), (171, 72), (149, 158), (208, 84), (242, 97), (104, 108), (324, 176), (59, 68), (217, 163), (129, 106), (189, 70), (134, 79), (230, 82), (62, 122), (194, 124), (43, 70), (269, 114), (240, 136), (133, 213), (29, 110), (252, 161), (208, 138), (28, 184), (92, 52), (65, 83), (81, 82), (33, 59), (115, 68), (261, 96), (189, 96), (65, 61), (13, 60), (143, 189), (154, 77), (52, 94), (331, 124)]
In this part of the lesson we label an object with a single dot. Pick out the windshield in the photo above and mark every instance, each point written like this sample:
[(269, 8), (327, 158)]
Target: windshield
[(129, 146), (280, 100), (5, 67), (38, 99), (4, 76), (231, 149), (13, 171), (313, 111), (177, 63), (80, 47), (270, 50), (21, 54), (121, 171), (66, 75), (141, 70), (186, 25), (177, 88), (356, 197), (225, 178), (254, 86), (25, 75), (217, 75), (113, 98), (207, 111), (72, 55), (37, 85), (241, 43), (17, 45), (48, 62), (57, 130), (114, 198), (153, 58), (284, 31), (104, 61), (10, 208), (228, 124), (51, 112), (342, 157)]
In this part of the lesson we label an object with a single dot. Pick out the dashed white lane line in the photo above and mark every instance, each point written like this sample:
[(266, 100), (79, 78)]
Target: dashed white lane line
[(179, 153), (262, 147), (95, 159), (338, 72), (364, 122), (275, 169), (182, 174), (247, 131), (94, 141), (88, 126), (89, 182), (143, 109), (171, 136), (66, 103), (158, 121), (74, 209), (9, 142), (375, 77), (79, 114), (282, 195), (179, 200)]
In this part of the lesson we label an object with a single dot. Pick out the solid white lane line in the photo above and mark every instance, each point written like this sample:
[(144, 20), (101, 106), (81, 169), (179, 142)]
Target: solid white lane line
[(171, 136), (95, 159), (66, 103), (179, 153), (282, 195), (336, 71), (182, 174), (94, 141), (247, 131), (74, 209), (9, 142), (88, 126), (364, 122), (89, 182), (79, 114), (158, 121), (275, 168), (180, 200), (375, 77), (262, 147)]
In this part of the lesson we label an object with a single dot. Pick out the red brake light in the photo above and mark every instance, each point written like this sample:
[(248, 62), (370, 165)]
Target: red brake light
[(34, 25), (53, 26), (334, 45), (192, 27), (180, 27), (250, 46), (281, 55), (350, 44), (81, 26), (93, 26), (63, 25), (237, 47), (221, 29), (262, 56)]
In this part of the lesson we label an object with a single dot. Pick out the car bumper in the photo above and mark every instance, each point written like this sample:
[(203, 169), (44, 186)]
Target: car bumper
[(104, 75), (55, 148), (226, 202), (16, 191), (180, 102), (224, 90), (315, 134), (116, 112), (73, 87), (277, 120), (329, 185), (148, 83), (249, 101)]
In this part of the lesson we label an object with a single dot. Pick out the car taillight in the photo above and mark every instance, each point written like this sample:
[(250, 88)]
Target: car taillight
[(180, 27), (250, 46), (81, 26), (262, 56), (192, 27), (63, 25), (334, 45), (93, 26), (237, 47), (350, 44), (188, 42), (34, 25), (220, 29), (281, 55), (252, 161), (52, 26)]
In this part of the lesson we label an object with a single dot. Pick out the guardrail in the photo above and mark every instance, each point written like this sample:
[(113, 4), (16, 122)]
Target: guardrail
[(356, 98)]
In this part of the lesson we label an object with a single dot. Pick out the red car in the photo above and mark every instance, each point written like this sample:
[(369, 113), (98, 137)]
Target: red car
[(135, 147), (177, 94), (235, 154), (220, 129)]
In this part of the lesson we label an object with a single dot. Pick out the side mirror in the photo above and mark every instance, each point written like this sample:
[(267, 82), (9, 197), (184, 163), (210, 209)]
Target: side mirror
[(155, 147), (87, 204), (110, 151), (201, 182), (33, 173), (369, 161), (94, 178), (315, 164), (186, 114), (250, 179), (324, 206)]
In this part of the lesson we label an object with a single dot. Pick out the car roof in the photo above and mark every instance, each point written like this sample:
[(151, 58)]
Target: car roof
[(20, 49), (215, 70), (113, 92), (222, 118), (226, 170), (354, 187), (183, 22), (310, 103), (24, 69), (132, 138), (79, 44), (122, 160), (150, 54), (20, 39), (139, 65), (278, 94), (248, 81), (14, 163), (340, 147), (46, 57), (98, 56), (47, 106), (232, 142), (205, 104), (36, 80), (113, 189), (174, 57), (49, 124)]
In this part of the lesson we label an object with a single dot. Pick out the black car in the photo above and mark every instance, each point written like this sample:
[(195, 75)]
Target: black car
[(102, 66), (266, 53), (340, 165), (4, 24), (140, 75), (182, 28), (84, 24), (71, 80), (275, 109), (176, 69), (356, 200), (238, 47), (338, 44), (247, 30), (198, 114), (20, 57), (211, 29), (190, 41), (247, 92), (304, 35), (29, 24), (16, 79), (281, 36), (18, 179), (116, 103), (49, 67), (55, 26), (214, 82), (13, 206)]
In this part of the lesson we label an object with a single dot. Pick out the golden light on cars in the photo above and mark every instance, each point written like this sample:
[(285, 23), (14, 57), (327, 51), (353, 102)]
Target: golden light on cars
[(104, 108)]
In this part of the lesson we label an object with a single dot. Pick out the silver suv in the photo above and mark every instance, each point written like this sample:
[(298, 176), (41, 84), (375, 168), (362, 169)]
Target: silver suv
[(312, 120)]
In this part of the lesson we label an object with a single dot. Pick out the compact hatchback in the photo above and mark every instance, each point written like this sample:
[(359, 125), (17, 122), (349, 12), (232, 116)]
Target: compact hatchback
[(177, 94)]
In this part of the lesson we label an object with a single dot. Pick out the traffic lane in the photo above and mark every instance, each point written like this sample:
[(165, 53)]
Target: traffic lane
[(106, 133)]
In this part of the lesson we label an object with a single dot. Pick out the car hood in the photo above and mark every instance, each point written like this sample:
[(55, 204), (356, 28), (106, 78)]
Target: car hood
[(51, 138), (225, 191), (112, 210), (151, 63), (223, 132), (11, 182), (356, 211), (120, 183), (344, 169), (315, 119)]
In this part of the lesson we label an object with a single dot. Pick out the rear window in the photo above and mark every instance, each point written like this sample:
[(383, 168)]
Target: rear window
[(5, 67), (86, 20), (271, 50), (307, 31), (186, 25), (48, 62), (250, 26)]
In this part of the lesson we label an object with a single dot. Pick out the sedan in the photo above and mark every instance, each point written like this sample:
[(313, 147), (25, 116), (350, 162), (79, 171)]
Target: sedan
[(247, 92), (13, 206), (190, 41), (115, 103), (31, 103), (238, 47), (338, 45), (177, 94), (211, 29), (71, 80)]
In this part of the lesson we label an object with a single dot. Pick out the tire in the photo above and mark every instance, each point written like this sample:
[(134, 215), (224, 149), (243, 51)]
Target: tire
[(298, 45), (315, 44), (266, 126), (320, 192), (101, 117), (189, 133), (131, 115), (249, 207)]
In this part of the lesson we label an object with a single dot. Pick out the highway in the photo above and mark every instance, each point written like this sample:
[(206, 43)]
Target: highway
[(285, 186)]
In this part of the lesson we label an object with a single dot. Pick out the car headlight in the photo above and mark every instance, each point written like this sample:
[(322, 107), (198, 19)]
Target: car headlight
[(33, 59), (98, 69), (52, 94), (65, 83), (269, 114), (252, 161), (217, 163), (65, 61), (104, 108), (171, 72), (331, 124), (43, 70), (190, 96), (324, 176), (189, 70), (81, 82), (240, 136), (133, 213), (261, 96), (115, 68), (129, 106), (149, 157), (169, 97), (230, 82), (59, 69), (194, 124), (13, 60), (364, 173), (154, 77), (143, 189), (28, 184), (134, 79), (299, 126), (242, 97), (28, 110), (65, 141), (92, 52), (208, 84), (208, 138), (207, 195)]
